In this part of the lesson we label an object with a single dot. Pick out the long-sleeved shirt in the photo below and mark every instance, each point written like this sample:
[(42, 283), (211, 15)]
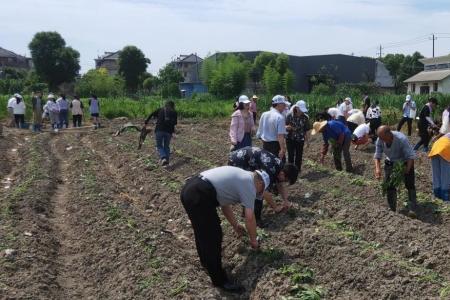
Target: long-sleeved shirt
[(253, 107), (63, 104), (271, 124), (399, 150), (425, 118), (240, 125), (445, 128), (407, 106), (166, 119)]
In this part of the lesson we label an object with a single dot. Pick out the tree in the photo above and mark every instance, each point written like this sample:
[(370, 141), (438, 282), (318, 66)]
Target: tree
[(54, 62), (169, 78), (259, 65), (288, 81), (97, 81), (272, 81), (393, 63), (402, 67), (132, 65)]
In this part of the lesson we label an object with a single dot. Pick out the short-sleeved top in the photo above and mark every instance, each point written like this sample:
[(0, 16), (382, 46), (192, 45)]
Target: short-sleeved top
[(373, 113), (271, 124), (424, 113), (94, 106), (445, 128), (333, 130), (361, 130), (232, 185), (300, 126), (254, 158), (399, 150), (407, 108)]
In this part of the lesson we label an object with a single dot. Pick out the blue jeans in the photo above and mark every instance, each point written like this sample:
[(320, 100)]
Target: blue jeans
[(441, 178), (63, 118), (163, 144)]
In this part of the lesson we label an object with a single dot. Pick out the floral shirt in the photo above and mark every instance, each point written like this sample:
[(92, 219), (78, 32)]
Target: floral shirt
[(254, 158), (300, 126)]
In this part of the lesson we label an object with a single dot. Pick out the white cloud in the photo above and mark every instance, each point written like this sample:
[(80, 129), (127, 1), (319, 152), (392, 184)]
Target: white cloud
[(163, 29)]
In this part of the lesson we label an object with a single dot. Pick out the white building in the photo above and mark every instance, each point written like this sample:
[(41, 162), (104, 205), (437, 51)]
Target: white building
[(434, 78)]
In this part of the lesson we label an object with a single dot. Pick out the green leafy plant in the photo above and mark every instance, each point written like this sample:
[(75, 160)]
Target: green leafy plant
[(181, 287), (396, 178)]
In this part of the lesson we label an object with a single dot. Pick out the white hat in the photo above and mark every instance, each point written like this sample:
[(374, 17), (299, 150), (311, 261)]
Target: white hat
[(243, 99), (408, 98), (302, 106), (348, 99), (278, 99), (16, 95), (51, 96), (265, 177), (333, 112)]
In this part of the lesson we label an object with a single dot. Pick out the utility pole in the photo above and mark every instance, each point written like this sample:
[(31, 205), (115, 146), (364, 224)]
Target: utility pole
[(380, 54), (433, 38)]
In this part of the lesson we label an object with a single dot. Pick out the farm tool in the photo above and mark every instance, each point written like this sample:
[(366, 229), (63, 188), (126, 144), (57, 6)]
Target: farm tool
[(143, 132)]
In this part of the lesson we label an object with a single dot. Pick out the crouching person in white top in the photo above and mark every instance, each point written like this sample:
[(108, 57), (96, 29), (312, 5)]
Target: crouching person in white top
[(202, 194)]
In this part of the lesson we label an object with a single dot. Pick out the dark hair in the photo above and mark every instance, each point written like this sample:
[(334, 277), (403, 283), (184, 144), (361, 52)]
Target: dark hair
[(76, 97), (94, 96), (323, 116), (63, 96), (291, 173), (170, 104), (240, 106), (274, 105), (433, 100), (339, 101)]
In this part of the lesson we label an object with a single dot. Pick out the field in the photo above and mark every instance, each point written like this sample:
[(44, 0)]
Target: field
[(90, 217)]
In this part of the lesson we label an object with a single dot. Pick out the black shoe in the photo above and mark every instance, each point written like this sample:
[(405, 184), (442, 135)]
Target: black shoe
[(261, 224), (232, 287), (164, 162)]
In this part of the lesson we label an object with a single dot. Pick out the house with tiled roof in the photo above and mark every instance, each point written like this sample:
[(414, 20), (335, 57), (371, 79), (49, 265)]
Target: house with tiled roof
[(434, 78), (109, 61), (9, 59)]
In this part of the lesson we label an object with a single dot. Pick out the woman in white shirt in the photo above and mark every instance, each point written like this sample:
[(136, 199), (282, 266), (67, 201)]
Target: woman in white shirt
[(19, 112)]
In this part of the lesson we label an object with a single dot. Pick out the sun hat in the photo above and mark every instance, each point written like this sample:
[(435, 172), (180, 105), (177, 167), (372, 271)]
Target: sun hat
[(278, 99), (265, 177), (17, 95), (408, 98), (318, 126), (348, 99), (255, 97), (51, 96), (243, 99), (302, 106)]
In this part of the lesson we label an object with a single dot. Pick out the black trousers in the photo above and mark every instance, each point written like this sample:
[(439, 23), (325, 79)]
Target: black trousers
[(409, 181), (19, 120), (374, 124), (295, 152), (425, 139), (272, 147), (338, 150), (352, 126), (200, 202), (402, 121), (77, 120)]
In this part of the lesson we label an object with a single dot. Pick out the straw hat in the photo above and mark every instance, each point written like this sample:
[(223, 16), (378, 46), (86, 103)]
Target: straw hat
[(318, 126)]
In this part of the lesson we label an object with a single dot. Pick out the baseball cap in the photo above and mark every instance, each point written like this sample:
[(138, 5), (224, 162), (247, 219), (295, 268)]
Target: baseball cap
[(265, 177), (302, 106), (408, 98), (17, 95), (243, 99)]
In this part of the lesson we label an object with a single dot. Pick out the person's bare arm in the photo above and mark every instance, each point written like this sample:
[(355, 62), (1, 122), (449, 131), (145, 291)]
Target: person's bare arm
[(282, 142), (268, 197), (377, 169), (250, 224), (284, 194), (228, 213)]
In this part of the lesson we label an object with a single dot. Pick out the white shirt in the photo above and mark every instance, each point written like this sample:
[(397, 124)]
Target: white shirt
[(344, 108), (361, 130), (19, 108), (271, 124), (11, 102), (445, 128)]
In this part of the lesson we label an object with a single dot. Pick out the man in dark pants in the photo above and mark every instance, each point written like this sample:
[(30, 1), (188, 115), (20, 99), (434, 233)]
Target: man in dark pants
[(253, 158), (222, 187), (272, 128), (340, 137), (426, 122), (409, 110), (396, 147)]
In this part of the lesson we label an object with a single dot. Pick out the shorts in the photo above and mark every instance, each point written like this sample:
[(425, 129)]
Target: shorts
[(94, 115)]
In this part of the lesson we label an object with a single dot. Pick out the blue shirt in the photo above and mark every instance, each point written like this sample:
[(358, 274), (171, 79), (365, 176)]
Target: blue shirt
[(399, 150), (333, 130), (407, 108), (271, 124)]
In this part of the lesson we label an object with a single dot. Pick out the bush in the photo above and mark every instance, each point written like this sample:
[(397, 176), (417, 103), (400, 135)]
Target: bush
[(322, 89), (97, 81)]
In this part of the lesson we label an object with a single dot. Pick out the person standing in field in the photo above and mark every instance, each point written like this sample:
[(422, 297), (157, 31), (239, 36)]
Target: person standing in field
[(77, 111), (360, 136), (202, 194), (272, 128), (52, 108), (425, 123), (94, 109), (63, 111), (355, 118), (344, 109), (253, 158), (440, 166), (366, 104), (396, 148), (374, 117), (166, 120), (242, 125), (19, 109), (254, 108), (297, 125), (409, 113), (37, 105), (10, 107), (340, 137)]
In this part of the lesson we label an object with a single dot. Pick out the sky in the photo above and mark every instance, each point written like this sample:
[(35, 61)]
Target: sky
[(164, 29)]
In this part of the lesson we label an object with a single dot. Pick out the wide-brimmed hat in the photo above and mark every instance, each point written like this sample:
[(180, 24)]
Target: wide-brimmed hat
[(318, 126), (51, 96), (243, 99), (17, 95), (348, 99), (265, 177), (255, 97), (302, 106)]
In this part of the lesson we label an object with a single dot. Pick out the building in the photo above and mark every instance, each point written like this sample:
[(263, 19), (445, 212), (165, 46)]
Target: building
[(9, 59), (434, 78), (189, 66), (109, 61), (338, 67)]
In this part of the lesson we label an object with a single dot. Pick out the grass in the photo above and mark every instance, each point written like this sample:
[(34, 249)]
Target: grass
[(179, 288), (149, 282), (270, 254)]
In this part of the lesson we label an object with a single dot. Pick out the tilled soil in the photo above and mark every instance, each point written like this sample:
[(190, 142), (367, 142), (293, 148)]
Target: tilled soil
[(90, 217)]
